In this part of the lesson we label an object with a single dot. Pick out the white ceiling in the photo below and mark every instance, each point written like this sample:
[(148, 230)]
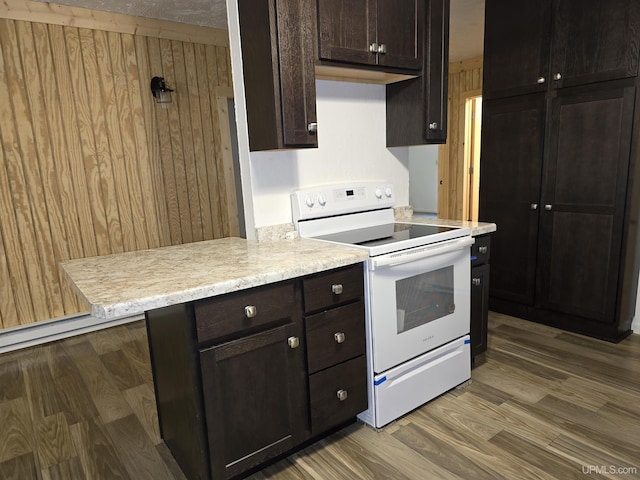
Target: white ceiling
[(466, 31)]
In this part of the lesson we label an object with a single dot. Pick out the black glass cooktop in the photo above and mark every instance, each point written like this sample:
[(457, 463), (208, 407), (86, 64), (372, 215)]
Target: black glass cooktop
[(384, 234)]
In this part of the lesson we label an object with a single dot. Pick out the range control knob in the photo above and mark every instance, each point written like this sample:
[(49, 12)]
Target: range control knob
[(388, 192), (378, 193), (322, 200), (309, 202)]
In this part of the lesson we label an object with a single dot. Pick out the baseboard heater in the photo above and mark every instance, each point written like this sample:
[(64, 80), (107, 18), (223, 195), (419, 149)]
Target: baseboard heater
[(42, 332)]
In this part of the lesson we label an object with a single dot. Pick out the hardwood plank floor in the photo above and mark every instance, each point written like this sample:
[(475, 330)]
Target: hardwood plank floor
[(542, 404)]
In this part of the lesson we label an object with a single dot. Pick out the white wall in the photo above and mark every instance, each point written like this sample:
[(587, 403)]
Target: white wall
[(423, 178), (351, 146)]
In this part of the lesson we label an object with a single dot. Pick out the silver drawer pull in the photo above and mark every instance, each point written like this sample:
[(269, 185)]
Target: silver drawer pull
[(339, 337), (373, 48), (250, 311), (312, 128), (293, 342), (541, 80), (548, 207), (483, 249), (433, 126), (342, 395), (534, 206), (336, 288), (476, 282)]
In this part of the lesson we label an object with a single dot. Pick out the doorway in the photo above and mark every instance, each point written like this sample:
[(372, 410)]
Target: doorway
[(472, 129)]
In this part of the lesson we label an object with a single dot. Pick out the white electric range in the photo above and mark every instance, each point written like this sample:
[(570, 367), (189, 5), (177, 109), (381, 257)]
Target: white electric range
[(417, 293)]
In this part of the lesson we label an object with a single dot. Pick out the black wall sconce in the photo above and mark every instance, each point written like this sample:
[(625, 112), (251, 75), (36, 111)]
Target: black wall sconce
[(160, 91)]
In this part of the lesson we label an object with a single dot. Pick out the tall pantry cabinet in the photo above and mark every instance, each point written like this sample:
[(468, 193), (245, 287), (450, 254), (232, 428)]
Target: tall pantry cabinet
[(560, 161)]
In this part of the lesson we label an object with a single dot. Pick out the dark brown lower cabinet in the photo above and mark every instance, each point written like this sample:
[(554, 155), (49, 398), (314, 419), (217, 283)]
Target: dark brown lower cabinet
[(480, 270), (557, 178), (243, 378), (254, 388)]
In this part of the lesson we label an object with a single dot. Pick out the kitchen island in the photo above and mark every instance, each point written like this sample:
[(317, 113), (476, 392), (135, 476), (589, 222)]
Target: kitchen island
[(131, 283), (256, 348)]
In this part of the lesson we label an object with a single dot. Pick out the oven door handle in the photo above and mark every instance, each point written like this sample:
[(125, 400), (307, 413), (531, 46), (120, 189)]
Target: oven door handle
[(419, 253)]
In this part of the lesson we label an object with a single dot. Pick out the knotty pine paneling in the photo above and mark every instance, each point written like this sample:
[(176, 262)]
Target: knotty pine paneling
[(465, 79), (90, 165)]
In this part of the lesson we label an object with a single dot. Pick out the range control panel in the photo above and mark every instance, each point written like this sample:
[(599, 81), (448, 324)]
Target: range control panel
[(330, 200)]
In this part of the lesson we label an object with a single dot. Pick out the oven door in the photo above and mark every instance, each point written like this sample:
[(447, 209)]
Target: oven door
[(418, 299)]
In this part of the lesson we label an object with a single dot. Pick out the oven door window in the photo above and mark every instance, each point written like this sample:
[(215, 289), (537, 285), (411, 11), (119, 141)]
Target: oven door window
[(423, 298)]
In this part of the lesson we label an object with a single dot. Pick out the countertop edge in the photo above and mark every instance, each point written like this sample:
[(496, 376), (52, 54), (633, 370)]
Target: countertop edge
[(137, 302)]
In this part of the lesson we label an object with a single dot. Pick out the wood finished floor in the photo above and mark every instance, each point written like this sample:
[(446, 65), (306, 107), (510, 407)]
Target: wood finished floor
[(542, 404)]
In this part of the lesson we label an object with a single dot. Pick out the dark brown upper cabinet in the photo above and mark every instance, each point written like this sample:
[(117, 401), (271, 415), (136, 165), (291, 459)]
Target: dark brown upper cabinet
[(517, 38), (283, 53), (277, 42), (386, 33), (594, 41), (417, 108), (539, 44)]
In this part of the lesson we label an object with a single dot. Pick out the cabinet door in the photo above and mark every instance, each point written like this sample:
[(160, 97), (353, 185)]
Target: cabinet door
[(351, 31), (511, 160), (595, 40), (436, 71), (584, 194), (516, 47), (278, 55), (399, 32), (255, 399), (417, 108), (346, 29), (479, 308), (297, 73)]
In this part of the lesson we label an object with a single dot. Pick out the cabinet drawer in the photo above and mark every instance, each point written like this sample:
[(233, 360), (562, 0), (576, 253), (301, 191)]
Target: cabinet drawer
[(347, 381), (226, 315), (334, 336), (481, 250), (331, 288)]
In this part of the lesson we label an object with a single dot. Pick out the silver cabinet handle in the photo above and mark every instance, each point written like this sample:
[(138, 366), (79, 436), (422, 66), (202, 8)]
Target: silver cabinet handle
[(293, 342), (534, 206), (548, 207), (339, 337), (475, 282), (312, 128), (433, 126), (483, 249), (541, 80), (342, 395), (374, 47), (250, 311), (336, 288), (557, 76), (382, 48)]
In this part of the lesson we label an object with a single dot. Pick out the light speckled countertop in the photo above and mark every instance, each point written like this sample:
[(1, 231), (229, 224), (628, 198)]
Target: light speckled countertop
[(131, 283)]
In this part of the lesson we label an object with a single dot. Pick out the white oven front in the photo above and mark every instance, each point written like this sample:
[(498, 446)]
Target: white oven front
[(418, 299)]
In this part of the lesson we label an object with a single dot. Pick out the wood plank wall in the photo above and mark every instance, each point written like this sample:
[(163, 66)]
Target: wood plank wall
[(465, 79), (89, 164)]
